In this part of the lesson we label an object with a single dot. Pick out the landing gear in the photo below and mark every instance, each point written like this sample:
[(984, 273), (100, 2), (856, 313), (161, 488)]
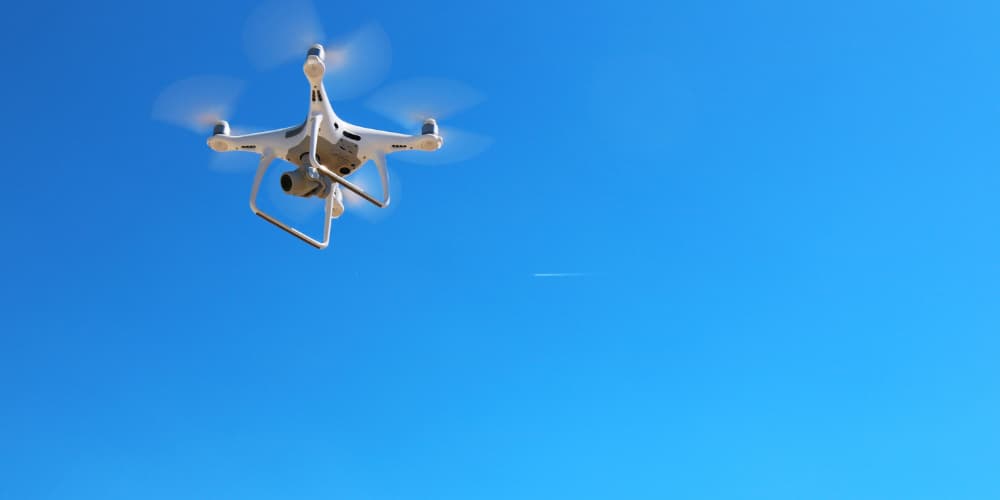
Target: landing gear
[(312, 173), (333, 201)]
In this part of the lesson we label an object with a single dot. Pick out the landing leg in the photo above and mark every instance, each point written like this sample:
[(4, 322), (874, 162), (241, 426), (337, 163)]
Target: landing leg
[(333, 199)]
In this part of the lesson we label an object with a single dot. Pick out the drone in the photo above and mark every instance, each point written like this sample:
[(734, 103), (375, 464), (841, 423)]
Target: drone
[(325, 151)]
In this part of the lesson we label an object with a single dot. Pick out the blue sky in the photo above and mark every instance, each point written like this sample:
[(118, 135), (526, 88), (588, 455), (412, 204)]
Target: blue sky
[(786, 214)]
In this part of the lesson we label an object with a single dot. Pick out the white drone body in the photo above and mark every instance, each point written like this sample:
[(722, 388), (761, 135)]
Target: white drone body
[(325, 150)]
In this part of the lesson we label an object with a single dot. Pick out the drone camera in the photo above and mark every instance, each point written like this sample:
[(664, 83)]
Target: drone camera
[(296, 182)]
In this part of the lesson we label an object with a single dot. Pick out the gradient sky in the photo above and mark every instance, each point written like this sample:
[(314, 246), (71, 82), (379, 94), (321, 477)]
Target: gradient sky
[(783, 216)]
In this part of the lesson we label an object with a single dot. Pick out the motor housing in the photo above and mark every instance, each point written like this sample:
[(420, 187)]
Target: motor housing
[(318, 51), (221, 128), (314, 66), (430, 127)]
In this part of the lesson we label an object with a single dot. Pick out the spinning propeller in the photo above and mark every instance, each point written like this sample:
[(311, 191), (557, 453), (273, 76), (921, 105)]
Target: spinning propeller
[(410, 102), (198, 103), (280, 32), (277, 33)]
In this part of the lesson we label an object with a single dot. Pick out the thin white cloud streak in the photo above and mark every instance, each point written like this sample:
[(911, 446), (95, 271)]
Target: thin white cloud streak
[(558, 275)]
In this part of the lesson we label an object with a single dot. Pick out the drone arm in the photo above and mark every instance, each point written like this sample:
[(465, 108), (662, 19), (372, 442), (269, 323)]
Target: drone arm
[(265, 162), (314, 124)]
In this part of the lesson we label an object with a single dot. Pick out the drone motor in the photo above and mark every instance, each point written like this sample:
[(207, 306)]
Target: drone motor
[(430, 127), (221, 128), (315, 66)]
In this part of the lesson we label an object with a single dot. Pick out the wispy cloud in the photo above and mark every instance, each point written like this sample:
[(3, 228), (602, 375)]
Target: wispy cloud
[(558, 275)]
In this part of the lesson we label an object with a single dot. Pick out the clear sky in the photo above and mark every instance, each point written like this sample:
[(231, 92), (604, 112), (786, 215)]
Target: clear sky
[(784, 216)]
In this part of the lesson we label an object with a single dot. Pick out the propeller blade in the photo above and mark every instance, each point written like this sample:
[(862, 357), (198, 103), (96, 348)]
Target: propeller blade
[(358, 62), (459, 146), (411, 101), (197, 103), (277, 32)]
